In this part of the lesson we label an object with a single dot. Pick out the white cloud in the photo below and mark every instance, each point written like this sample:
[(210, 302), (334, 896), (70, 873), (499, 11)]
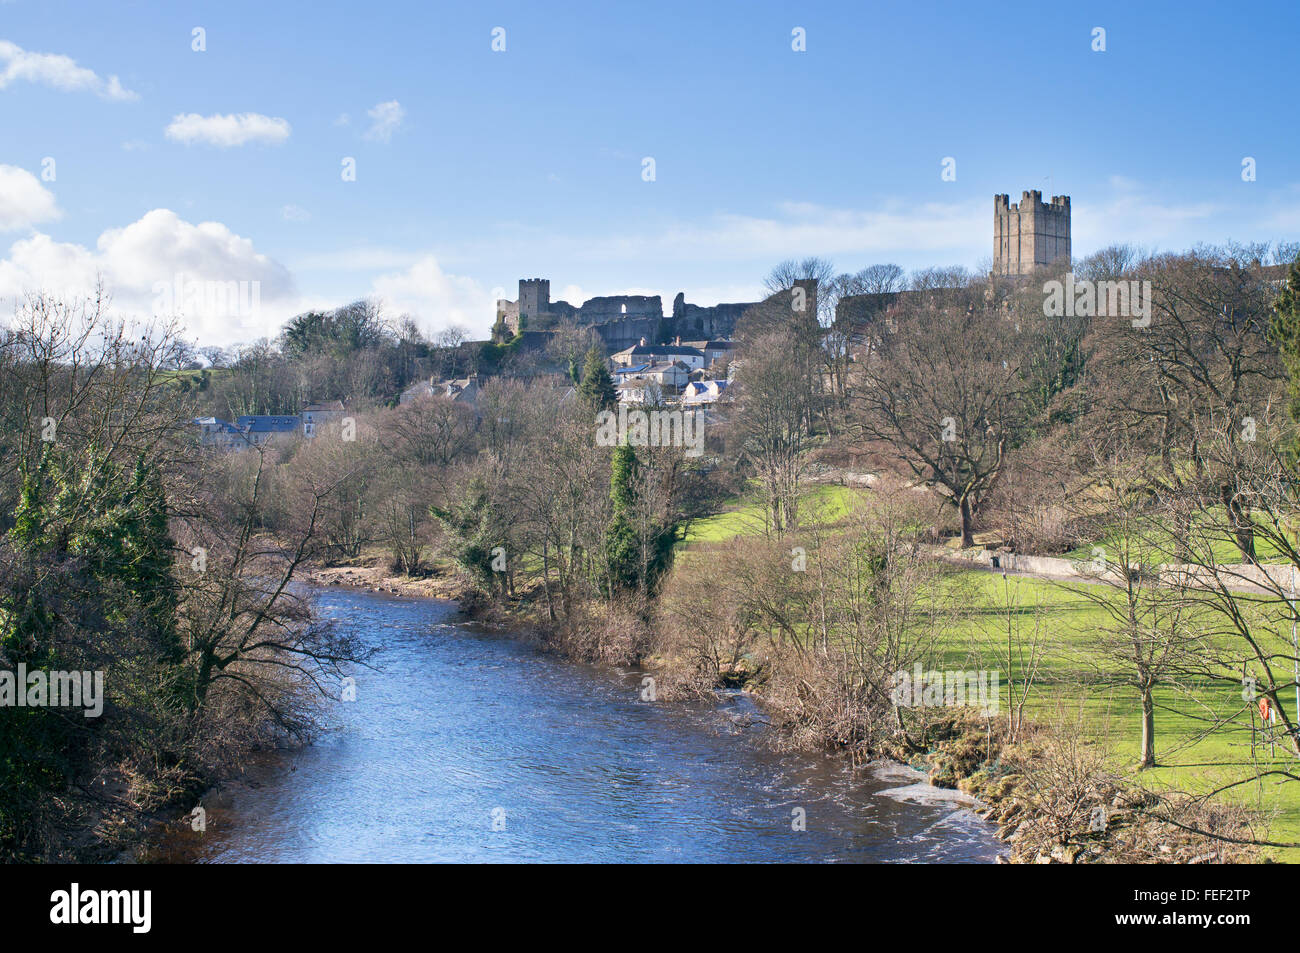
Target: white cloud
[(227, 131), (295, 213), (570, 293), (58, 72), (437, 299), (708, 249), (803, 228), (23, 200), (141, 266), (387, 117)]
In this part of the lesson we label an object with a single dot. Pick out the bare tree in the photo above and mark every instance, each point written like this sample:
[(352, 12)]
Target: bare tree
[(771, 421), (1152, 635), (945, 388)]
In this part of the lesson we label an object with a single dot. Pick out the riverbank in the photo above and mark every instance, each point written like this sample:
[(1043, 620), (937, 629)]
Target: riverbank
[(1048, 793), (464, 743), (378, 578)]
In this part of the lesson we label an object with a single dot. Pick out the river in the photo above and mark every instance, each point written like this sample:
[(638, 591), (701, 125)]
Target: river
[(468, 745)]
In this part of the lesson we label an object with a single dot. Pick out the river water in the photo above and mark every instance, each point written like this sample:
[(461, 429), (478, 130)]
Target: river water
[(468, 745)]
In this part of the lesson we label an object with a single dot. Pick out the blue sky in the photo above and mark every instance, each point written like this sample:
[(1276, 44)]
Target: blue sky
[(493, 166)]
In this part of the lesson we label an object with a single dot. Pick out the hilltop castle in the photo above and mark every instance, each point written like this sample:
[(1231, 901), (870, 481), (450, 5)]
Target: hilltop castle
[(619, 320), (1030, 234)]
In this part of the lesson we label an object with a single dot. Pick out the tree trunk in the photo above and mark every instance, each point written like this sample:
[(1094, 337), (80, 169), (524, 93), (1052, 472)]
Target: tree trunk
[(967, 537), (1243, 530), (546, 579), (1148, 759)]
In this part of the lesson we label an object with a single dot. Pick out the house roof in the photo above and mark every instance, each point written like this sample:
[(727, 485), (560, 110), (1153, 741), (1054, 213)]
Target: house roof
[(705, 389), (635, 368), (419, 388), (668, 349), (224, 425), (268, 423)]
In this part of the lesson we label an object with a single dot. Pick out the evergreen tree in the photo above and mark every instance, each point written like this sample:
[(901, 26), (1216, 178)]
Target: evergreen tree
[(475, 523), (622, 547), (597, 387), (637, 552)]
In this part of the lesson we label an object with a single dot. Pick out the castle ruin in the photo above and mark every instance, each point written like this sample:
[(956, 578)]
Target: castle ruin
[(1029, 235), (620, 320)]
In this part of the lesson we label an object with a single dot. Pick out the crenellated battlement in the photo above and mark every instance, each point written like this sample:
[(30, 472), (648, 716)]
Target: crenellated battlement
[(1031, 233)]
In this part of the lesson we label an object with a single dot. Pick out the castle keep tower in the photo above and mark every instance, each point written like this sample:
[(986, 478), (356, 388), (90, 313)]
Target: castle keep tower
[(534, 296), (1031, 234)]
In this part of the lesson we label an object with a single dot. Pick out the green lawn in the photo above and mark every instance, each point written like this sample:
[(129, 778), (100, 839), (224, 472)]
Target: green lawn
[(1075, 684), (828, 503), (1163, 550)]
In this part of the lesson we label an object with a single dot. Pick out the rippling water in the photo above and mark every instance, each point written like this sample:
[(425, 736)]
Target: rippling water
[(471, 746)]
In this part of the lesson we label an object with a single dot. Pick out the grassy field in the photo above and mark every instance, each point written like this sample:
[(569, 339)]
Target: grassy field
[(1074, 684), (1077, 686), (1163, 550), (739, 518)]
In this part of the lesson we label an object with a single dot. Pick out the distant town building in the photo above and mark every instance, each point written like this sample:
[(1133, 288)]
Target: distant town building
[(316, 416), (640, 393), (644, 353), (463, 390), (218, 434), (714, 351), (704, 393), (670, 377), (259, 429)]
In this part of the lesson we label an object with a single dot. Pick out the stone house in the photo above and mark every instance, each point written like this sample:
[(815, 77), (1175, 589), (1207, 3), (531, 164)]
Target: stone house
[(644, 353), (259, 429), (463, 390), (316, 416)]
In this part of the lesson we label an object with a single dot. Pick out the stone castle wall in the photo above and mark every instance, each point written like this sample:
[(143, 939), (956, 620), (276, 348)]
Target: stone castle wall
[(620, 320), (1030, 234)]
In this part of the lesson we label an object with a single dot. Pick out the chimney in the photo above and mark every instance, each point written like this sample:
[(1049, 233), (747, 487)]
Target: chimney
[(642, 342), (678, 341)]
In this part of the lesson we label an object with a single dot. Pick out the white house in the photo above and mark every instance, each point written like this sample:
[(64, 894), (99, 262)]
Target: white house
[(670, 377), (316, 416), (640, 393), (703, 393)]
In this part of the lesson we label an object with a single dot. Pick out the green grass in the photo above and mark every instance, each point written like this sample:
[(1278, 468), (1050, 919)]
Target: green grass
[(1163, 550), (827, 503), (1073, 684)]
